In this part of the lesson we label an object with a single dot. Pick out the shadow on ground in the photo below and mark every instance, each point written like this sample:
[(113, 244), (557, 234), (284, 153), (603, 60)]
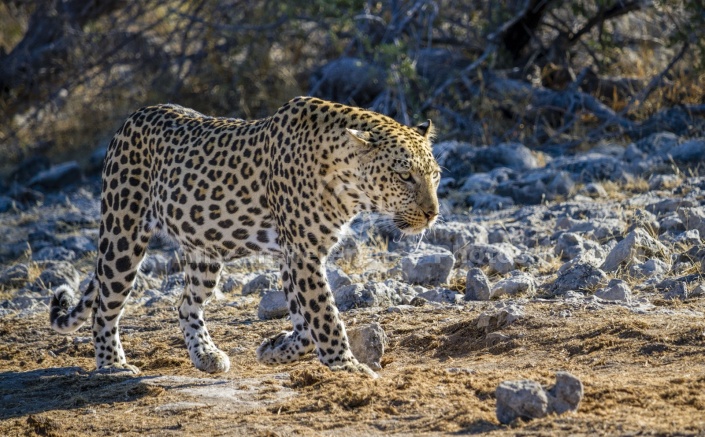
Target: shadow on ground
[(64, 388)]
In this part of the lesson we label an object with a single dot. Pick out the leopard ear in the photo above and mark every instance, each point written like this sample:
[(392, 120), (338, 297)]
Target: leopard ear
[(360, 137), (426, 129)]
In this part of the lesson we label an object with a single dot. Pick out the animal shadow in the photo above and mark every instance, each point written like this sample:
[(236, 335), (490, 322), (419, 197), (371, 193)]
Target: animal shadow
[(63, 388)]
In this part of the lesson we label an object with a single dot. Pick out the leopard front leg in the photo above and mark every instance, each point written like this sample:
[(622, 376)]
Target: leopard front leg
[(201, 278), (311, 303)]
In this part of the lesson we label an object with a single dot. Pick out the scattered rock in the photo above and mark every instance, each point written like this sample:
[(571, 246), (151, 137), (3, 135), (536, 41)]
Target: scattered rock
[(173, 284), (499, 235), (418, 301), (616, 290), (645, 220), (530, 189), (594, 190), (14, 276), (671, 223), (566, 394), (19, 252), (693, 219), (348, 79), (663, 182), (514, 156), (273, 305), (461, 159), (658, 143), (477, 285), (367, 343), (144, 282), (455, 158), (517, 283), (570, 245), (597, 229), (486, 182), (230, 282), (495, 338), (591, 167), (337, 277), (665, 206), (503, 261), (651, 268), (561, 185), (635, 246), (633, 155), (500, 256), (689, 238), (427, 267), (54, 254), (401, 292), (442, 295), (57, 177), (371, 294), (524, 399), (155, 264), (491, 321), (526, 260), (578, 276), (698, 290), (691, 151), (58, 273), (265, 281), (678, 291), (158, 296), (456, 236), (25, 196), (489, 202), (79, 244)]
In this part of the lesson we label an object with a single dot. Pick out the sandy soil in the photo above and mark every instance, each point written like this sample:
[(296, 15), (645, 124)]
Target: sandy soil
[(644, 374)]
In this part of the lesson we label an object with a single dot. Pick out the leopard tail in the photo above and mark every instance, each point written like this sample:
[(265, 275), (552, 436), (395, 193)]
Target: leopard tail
[(65, 319)]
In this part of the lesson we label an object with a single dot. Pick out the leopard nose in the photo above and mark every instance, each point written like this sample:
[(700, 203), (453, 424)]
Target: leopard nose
[(430, 215)]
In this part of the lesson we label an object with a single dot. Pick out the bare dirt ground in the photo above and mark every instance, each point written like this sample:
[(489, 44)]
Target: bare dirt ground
[(644, 374)]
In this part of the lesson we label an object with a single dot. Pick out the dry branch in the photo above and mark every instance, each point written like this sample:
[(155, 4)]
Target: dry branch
[(656, 80), (617, 10), (569, 101), (490, 49)]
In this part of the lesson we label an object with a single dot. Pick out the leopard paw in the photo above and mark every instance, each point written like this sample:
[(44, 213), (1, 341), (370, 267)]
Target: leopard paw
[(211, 361), (284, 347), (355, 366), (117, 369)]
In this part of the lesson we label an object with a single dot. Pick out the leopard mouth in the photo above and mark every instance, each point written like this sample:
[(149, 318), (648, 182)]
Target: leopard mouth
[(411, 227)]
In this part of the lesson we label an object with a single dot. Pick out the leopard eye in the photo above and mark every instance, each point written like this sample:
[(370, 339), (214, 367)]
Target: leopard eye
[(436, 175), (406, 176)]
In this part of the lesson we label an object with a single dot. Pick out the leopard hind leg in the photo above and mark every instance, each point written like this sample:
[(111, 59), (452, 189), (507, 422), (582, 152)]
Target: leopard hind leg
[(118, 261), (201, 278)]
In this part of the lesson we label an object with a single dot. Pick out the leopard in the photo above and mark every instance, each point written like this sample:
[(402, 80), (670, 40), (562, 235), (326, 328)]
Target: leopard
[(286, 185)]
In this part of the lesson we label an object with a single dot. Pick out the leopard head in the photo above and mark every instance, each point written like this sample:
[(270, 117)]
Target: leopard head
[(398, 174)]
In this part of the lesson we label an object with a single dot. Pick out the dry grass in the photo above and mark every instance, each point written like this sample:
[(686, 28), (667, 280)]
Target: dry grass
[(624, 190), (359, 258), (642, 374)]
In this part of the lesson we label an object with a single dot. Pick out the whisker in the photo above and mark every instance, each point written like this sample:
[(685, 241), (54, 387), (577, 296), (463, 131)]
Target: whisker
[(418, 244)]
